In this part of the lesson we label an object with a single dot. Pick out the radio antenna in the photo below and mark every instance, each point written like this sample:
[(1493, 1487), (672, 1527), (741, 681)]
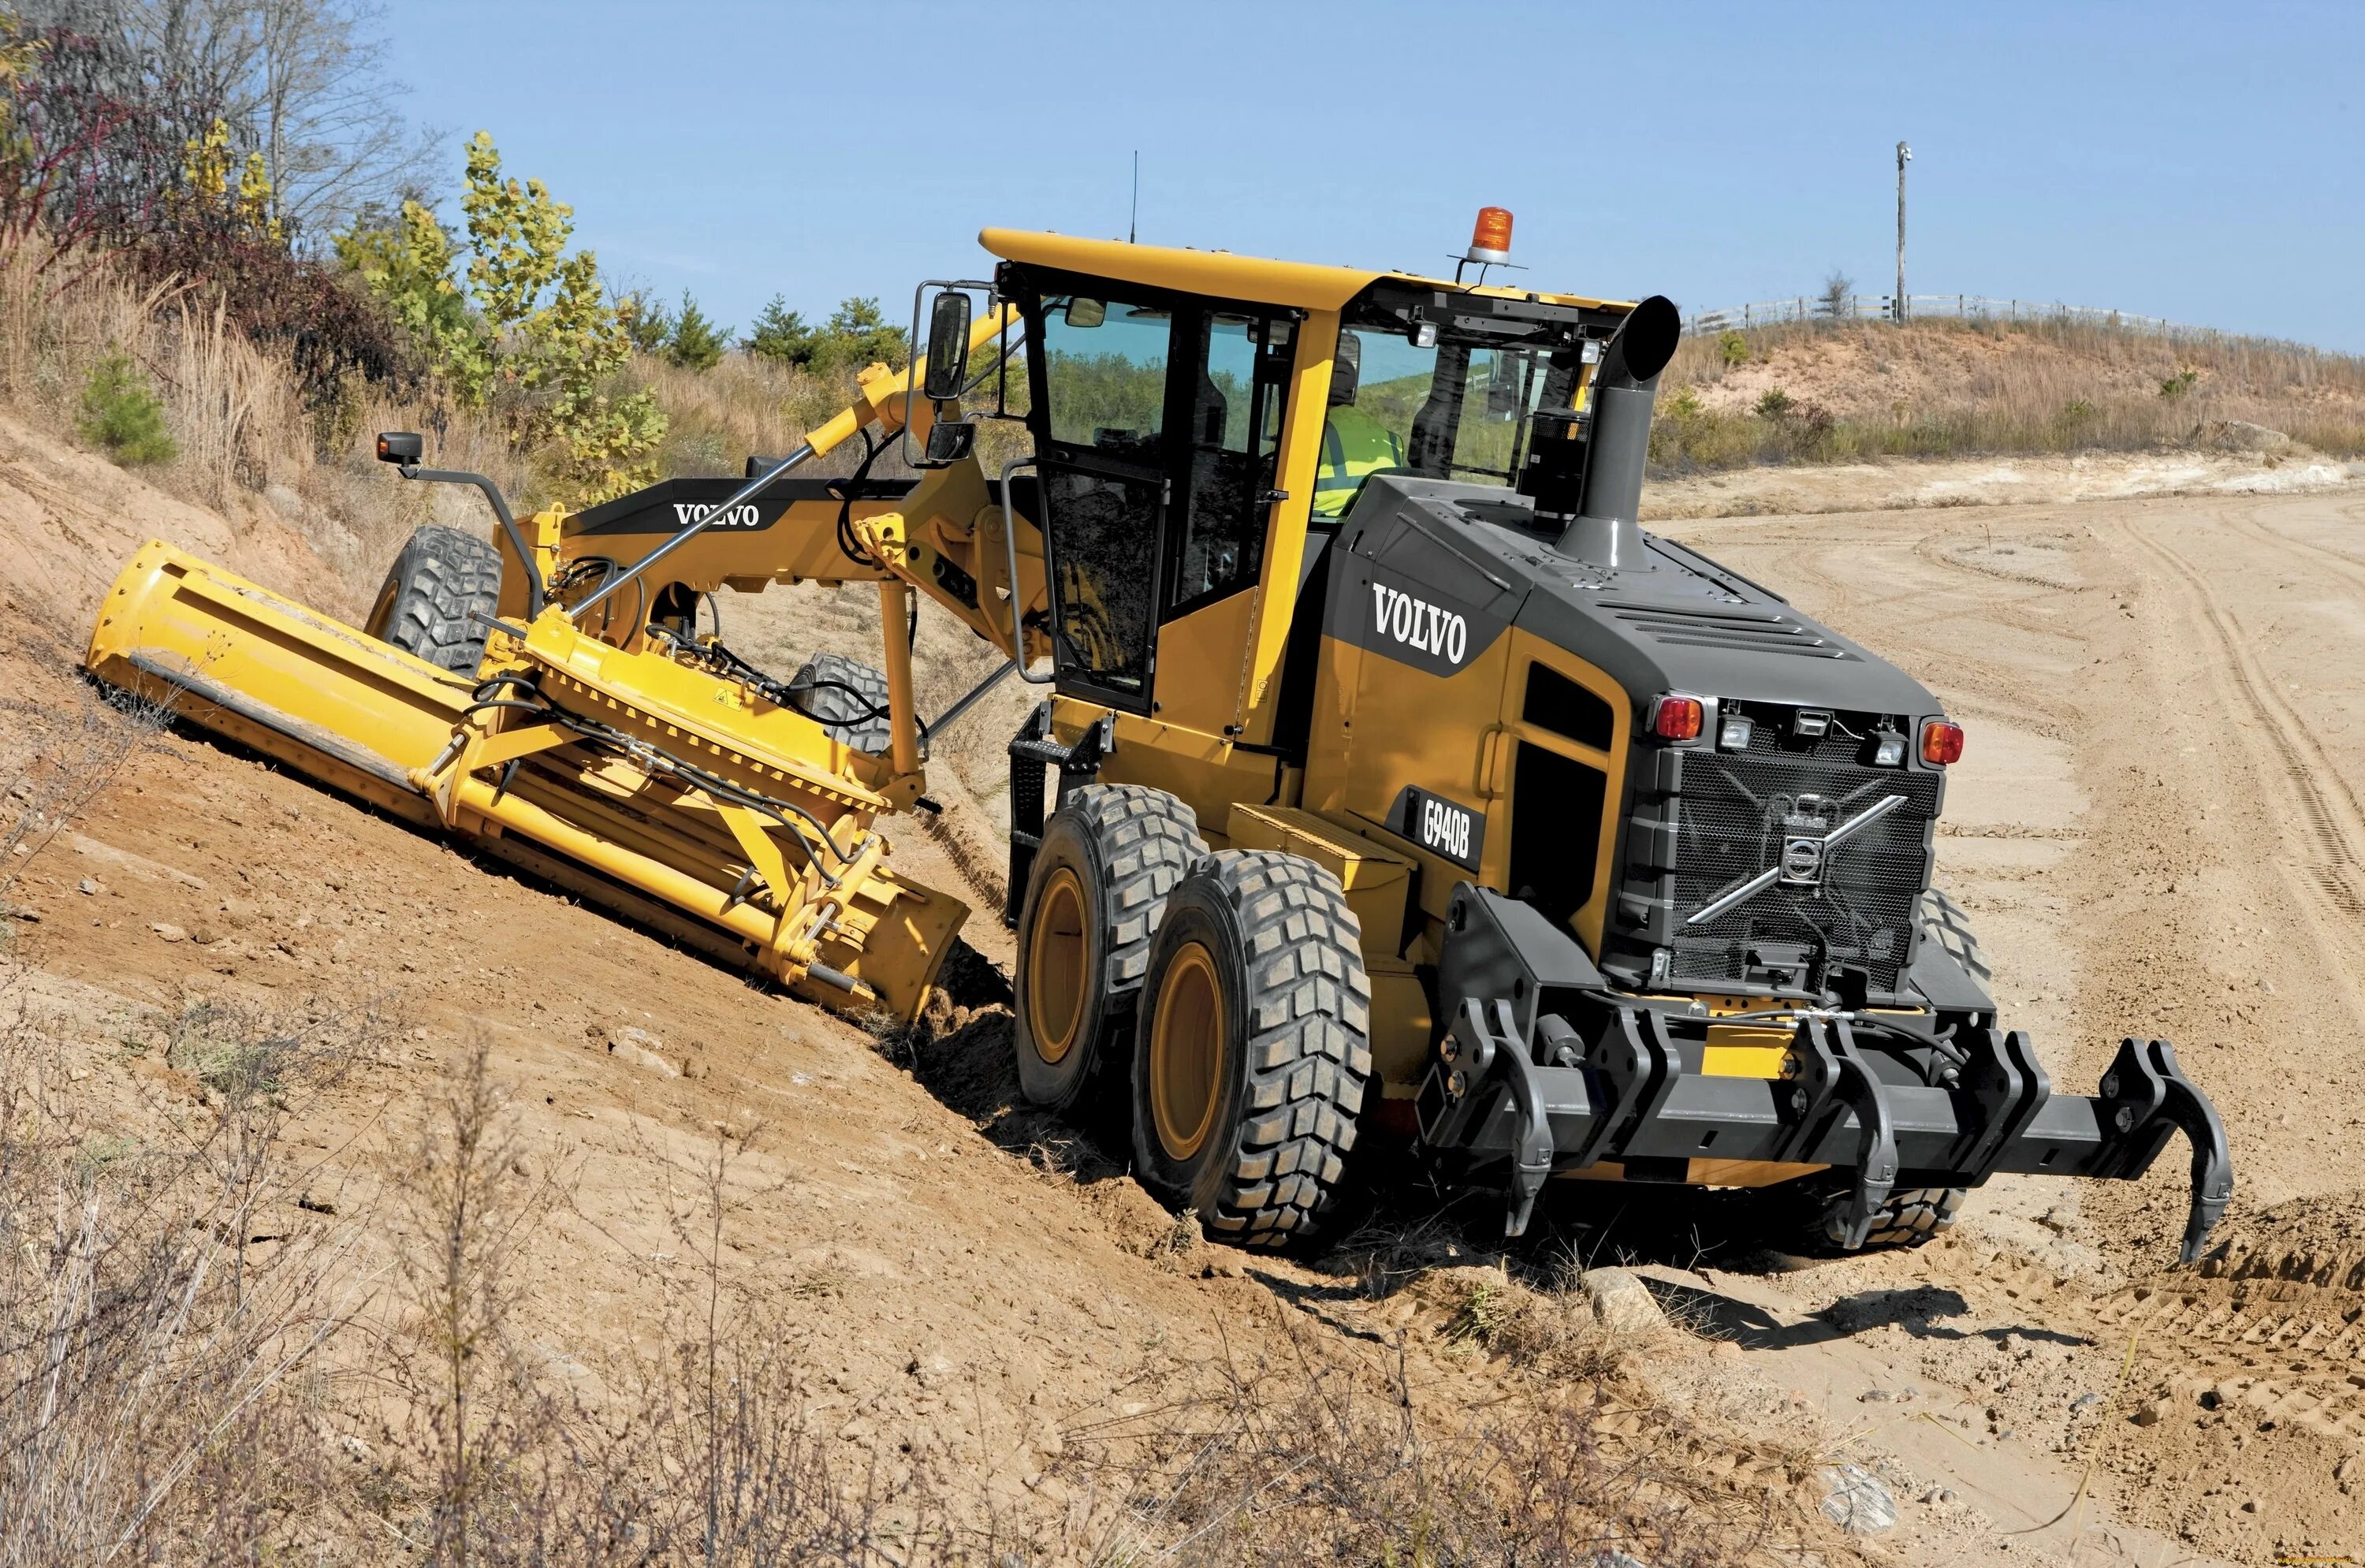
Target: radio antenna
[(1133, 224)]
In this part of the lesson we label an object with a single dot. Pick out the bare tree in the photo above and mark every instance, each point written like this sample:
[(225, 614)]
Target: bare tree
[(1839, 294), (302, 81)]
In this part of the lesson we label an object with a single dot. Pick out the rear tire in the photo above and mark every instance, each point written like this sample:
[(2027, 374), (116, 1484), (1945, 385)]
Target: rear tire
[(1943, 922), (1111, 855), (847, 697), (438, 587), (1253, 1047)]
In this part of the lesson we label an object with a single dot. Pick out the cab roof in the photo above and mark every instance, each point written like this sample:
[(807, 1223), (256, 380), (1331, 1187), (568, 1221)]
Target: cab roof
[(1223, 276)]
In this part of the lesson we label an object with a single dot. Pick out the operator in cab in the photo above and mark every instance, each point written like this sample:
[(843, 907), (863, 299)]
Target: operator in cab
[(1354, 444)]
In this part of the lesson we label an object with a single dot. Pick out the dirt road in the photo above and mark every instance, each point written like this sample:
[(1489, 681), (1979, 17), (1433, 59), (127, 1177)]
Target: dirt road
[(2157, 829)]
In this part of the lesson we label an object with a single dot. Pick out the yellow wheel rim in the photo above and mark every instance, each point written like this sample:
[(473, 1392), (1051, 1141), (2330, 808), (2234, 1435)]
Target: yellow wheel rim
[(1056, 959), (1186, 1052), (381, 613)]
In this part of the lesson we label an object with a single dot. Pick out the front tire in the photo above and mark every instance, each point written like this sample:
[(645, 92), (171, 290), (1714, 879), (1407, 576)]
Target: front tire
[(1253, 1047), (847, 699), (1911, 1216), (1110, 855), (437, 597)]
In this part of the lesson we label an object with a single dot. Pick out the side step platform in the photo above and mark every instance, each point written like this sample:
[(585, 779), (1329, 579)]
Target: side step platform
[(1033, 749)]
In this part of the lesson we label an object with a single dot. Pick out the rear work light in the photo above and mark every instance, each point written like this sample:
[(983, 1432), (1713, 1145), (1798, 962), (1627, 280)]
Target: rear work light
[(1677, 718), (1942, 741)]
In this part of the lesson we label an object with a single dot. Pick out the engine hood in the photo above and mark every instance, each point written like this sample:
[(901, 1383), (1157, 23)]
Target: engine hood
[(1677, 623)]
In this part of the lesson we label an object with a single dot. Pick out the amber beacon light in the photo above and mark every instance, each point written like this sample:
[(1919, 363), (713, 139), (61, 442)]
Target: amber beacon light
[(1490, 237)]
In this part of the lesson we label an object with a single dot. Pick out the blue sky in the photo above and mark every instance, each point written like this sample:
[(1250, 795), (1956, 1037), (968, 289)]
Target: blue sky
[(2201, 163)]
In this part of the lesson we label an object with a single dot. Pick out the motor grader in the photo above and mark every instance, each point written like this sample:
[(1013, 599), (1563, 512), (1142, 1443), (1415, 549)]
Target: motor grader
[(1407, 791)]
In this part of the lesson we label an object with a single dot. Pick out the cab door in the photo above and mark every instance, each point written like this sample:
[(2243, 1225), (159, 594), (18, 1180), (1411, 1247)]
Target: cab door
[(1106, 472), (1235, 364), (1156, 423)]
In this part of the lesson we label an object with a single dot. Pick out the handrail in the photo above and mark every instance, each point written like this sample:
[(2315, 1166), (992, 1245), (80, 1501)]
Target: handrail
[(1010, 538)]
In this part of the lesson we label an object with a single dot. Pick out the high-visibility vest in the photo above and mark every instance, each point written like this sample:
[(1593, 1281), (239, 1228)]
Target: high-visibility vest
[(1353, 445)]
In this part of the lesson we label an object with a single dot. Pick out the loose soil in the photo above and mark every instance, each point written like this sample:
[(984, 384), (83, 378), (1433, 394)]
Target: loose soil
[(2156, 828)]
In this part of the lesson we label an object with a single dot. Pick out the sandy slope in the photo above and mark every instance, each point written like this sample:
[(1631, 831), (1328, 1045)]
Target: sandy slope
[(2156, 828)]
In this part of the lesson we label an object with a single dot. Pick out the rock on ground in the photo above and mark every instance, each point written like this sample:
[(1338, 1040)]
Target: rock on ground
[(1858, 1501)]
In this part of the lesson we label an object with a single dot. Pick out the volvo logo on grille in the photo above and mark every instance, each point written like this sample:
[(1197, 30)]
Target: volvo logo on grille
[(1802, 861), (1808, 839)]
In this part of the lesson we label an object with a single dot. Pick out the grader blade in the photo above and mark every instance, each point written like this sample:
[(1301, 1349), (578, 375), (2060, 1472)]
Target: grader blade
[(752, 838)]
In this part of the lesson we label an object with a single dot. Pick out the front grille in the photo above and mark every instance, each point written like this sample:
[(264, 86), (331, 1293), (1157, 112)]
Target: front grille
[(1729, 826)]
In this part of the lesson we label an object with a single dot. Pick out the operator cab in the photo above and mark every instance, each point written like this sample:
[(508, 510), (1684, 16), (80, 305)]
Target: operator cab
[(1166, 422)]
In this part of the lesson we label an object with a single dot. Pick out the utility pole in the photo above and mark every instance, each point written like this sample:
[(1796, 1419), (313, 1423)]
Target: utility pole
[(1904, 156)]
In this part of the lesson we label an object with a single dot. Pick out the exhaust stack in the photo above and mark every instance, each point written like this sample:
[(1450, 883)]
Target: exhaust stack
[(1604, 530)]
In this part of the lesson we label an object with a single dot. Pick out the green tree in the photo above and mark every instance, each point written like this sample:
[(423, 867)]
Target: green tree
[(533, 338), (857, 334), (405, 259), (645, 321), (780, 335), (696, 342)]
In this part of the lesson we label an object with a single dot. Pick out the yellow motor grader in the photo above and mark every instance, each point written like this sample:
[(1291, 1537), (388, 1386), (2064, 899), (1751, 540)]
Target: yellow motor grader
[(1407, 790)]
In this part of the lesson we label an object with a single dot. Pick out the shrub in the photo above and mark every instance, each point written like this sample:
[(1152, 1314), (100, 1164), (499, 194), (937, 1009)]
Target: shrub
[(121, 412), (2177, 385), (1774, 405), (1732, 348)]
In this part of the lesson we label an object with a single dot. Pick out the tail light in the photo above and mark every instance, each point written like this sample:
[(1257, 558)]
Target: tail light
[(1677, 718), (1942, 741)]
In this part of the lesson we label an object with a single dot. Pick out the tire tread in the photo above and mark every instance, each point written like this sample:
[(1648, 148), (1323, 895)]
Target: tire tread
[(854, 718), (439, 582), (1308, 1055)]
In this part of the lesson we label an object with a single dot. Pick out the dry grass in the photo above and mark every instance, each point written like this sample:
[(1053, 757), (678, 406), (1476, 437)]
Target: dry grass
[(246, 442), (744, 407), (1824, 392), (1294, 1453), (230, 407)]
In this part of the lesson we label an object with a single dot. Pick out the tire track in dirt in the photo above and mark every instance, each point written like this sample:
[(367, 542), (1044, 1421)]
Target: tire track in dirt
[(2252, 524), (2283, 1338), (2329, 809)]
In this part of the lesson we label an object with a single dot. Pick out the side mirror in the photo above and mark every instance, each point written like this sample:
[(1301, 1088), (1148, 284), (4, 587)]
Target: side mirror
[(948, 347), (399, 447), (1081, 312), (949, 442)]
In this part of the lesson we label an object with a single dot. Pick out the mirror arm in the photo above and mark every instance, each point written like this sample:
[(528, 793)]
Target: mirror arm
[(536, 592), (915, 370)]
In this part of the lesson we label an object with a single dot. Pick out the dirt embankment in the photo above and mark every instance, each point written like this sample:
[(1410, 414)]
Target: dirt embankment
[(961, 1300), (2152, 830)]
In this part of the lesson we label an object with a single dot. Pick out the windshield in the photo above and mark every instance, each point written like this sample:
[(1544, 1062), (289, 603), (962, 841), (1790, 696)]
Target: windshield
[(1454, 409)]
